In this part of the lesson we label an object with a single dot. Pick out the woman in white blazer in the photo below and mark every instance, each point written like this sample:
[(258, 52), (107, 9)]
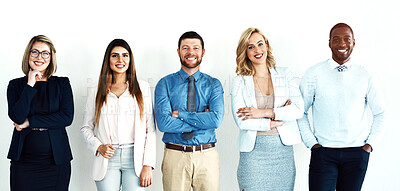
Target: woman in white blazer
[(266, 102), (118, 125)]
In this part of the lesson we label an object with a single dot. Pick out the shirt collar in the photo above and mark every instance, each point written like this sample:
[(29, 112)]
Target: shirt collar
[(126, 90), (333, 64), (273, 71), (184, 75)]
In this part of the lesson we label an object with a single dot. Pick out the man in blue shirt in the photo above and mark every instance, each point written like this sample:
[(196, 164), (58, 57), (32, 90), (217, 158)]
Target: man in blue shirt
[(189, 106), (339, 92)]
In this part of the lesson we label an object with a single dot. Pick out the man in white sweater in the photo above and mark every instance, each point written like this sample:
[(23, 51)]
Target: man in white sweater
[(339, 92)]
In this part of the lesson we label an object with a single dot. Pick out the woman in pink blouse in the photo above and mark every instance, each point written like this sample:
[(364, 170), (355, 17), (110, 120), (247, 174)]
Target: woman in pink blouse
[(118, 126)]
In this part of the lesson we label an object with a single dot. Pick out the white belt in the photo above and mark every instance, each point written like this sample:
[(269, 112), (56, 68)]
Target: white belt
[(123, 146)]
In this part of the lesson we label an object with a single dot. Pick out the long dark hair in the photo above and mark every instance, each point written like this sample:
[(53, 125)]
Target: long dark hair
[(106, 78)]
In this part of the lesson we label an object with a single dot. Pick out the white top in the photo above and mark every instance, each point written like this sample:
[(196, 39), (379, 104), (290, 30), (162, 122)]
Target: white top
[(121, 117), (339, 103), (144, 137), (285, 87)]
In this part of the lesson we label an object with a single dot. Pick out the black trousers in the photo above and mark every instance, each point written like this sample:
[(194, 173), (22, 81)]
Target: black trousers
[(342, 169)]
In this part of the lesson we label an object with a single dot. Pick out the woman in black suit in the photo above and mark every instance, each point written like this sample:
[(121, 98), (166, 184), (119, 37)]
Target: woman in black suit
[(41, 106)]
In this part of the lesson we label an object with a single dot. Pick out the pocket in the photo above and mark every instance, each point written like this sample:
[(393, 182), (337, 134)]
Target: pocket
[(163, 161), (364, 158), (364, 151), (316, 159), (317, 149)]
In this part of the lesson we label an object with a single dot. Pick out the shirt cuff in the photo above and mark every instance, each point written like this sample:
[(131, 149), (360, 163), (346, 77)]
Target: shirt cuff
[(183, 115), (310, 144)]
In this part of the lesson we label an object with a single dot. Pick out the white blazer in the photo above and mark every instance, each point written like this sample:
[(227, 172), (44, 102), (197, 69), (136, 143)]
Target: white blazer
[(145, 136), (285, 87)]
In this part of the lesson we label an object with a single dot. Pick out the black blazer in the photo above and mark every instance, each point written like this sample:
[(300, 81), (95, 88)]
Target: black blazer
[(19, 97)]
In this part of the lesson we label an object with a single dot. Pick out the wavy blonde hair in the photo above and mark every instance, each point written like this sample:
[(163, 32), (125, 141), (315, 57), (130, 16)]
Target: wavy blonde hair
[(244, 65)]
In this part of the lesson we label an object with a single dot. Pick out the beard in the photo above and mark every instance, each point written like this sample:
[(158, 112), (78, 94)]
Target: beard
[(183, 62)]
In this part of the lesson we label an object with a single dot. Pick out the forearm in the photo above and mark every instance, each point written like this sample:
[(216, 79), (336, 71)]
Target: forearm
[(169, 124), (378, 129), (19, 106), (289, 113), (92, 142), (202, 120), (307, 135), (149, 155), (54, 120)]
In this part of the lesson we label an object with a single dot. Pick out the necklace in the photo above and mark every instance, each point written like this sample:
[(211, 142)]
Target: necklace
[(267, 89), (258, 85)]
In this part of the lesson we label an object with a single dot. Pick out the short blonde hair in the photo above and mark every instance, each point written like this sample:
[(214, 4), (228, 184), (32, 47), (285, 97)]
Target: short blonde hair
[(51, 69), (244, 65)]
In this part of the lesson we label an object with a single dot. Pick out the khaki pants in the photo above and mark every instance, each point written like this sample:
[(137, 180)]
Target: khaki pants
[(182, 170)]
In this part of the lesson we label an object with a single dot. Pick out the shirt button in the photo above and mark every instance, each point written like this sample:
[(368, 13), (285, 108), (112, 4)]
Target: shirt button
[(195, 123), (181, 119)]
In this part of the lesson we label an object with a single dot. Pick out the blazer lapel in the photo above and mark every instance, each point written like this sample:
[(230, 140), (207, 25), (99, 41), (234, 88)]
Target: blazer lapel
[(248, 93), (54, 92), (279, 84)]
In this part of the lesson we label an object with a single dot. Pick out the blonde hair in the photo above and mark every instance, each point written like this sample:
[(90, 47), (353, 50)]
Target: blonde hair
[(51, 69), (244, 65)]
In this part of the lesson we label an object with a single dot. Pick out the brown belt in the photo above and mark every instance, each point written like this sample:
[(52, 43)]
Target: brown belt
[(39, 129), (185, 148)]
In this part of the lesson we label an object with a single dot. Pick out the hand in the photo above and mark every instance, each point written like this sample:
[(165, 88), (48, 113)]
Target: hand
[(275, 124), (22, 126), (106, 151), (207, 110), (288, 102), (175, 114), (253, 113), (367, 148), (33, 76), (146, 176), (316, 146)]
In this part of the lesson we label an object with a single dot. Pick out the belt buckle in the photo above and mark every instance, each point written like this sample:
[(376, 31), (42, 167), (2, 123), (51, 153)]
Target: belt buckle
[(186, 147)]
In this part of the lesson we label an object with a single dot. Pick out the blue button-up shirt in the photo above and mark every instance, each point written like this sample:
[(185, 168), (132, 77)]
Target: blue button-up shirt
[(171, 95)]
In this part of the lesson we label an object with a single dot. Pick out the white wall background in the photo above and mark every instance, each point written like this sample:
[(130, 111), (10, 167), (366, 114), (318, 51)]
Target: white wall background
[(298, 32)]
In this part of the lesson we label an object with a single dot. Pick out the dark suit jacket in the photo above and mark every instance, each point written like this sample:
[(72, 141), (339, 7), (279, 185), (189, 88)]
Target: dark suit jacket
[(20, 95)]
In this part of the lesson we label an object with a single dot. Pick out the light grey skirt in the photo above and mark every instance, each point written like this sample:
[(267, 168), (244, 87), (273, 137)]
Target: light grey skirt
[(270, 166)]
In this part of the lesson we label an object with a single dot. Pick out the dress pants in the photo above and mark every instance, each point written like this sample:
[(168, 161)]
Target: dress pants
[(342, 169), (183, 170)]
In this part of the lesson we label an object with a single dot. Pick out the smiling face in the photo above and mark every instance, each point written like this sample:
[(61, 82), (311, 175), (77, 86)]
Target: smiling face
[(257, 49), (39, 63), (341, 43), (119, 59), (190, 53)]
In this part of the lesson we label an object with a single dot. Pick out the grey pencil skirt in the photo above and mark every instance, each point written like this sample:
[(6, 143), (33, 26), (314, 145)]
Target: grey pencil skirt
[(270, 166)]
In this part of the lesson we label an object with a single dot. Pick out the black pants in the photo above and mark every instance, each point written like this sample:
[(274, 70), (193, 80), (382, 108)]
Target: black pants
[(342, 169)]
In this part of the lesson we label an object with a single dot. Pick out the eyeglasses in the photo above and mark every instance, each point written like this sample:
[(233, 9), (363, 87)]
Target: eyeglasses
[(45, 54)]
